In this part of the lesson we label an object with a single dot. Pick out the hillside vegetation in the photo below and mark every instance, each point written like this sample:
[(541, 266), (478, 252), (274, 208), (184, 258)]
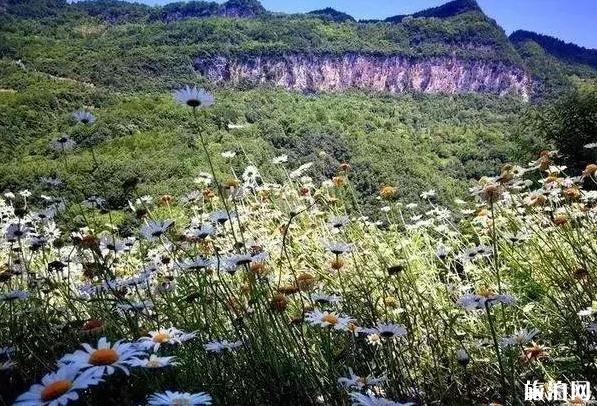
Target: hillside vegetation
[(115, 58)]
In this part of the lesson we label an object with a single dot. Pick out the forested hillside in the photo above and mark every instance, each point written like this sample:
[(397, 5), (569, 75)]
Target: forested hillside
[(113, 57)]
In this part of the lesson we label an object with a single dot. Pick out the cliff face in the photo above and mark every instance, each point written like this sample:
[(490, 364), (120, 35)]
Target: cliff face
[(381, 73)]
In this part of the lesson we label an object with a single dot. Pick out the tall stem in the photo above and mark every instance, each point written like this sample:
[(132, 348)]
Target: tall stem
[(213, 173)]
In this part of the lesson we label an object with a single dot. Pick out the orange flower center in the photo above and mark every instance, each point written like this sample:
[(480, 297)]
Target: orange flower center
[(485, 292), (161, 337), (56, 389), (103, 356), (330, 318)]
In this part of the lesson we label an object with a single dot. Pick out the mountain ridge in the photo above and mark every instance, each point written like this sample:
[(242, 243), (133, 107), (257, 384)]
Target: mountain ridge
[(161, 43), (560, 49)]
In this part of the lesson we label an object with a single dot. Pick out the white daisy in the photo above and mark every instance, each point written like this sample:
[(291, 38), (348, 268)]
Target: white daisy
[(462, 356), (476, 302), (154, 362), (297, 173), (387, 330), (325, 298), (155, 228), (280, 159), (83, 116), (105, 358), (204, 179), (164, 336), (428, 194), (522, 337), (14, 295), (219, 346), (359, 382), (193, 97), (328, 319), (179, 398), (58, 388)]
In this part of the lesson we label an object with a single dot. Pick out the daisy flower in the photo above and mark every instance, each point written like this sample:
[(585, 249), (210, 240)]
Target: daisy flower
[(15, 232), (522, 337), (83, 116), (338, 222), (483, 298), (280, 159), (200, 231), (154, 362), (325, 298), (105, 358), (220, 216), (14, 295), (219, 346), (63, 143), (164, 336), (179, 398), (338, 247), (297, 173), (462, 357), (193, 97), (387, 330), (58, 388), (155, 228), (428, 194), (359, 382), (328, 319)]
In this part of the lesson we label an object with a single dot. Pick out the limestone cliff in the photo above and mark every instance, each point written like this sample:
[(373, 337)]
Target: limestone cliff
[(383, 73)]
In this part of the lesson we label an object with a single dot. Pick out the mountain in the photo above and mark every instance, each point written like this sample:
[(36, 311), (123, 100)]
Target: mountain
[(324, 50), (554, 64), (453, 48), (564, 51), (450, 9), (332, 15), (427, 101)]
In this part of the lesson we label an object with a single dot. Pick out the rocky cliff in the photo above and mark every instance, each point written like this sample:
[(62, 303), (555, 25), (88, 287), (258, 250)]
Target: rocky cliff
[(375, 72)]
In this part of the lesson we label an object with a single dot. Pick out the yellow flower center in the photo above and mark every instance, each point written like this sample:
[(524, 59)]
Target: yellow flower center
[(181, 402), (330, 318), (161, 337), (485, 292), (56, 389), (103, 356)]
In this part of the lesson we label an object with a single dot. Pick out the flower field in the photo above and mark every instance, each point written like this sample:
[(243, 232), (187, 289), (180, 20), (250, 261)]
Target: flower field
[(254, 291)]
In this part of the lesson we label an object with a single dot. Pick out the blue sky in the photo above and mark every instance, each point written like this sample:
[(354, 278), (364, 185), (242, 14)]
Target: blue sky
[(570, 20)]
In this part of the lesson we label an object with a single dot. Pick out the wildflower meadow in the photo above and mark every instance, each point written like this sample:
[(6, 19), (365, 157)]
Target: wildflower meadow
[(255, 291)]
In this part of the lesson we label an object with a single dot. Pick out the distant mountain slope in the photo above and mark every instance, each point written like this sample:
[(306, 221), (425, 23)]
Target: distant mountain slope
[(567, 52), (332, 14), (127, 45), (449, 9), (555, 65)]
